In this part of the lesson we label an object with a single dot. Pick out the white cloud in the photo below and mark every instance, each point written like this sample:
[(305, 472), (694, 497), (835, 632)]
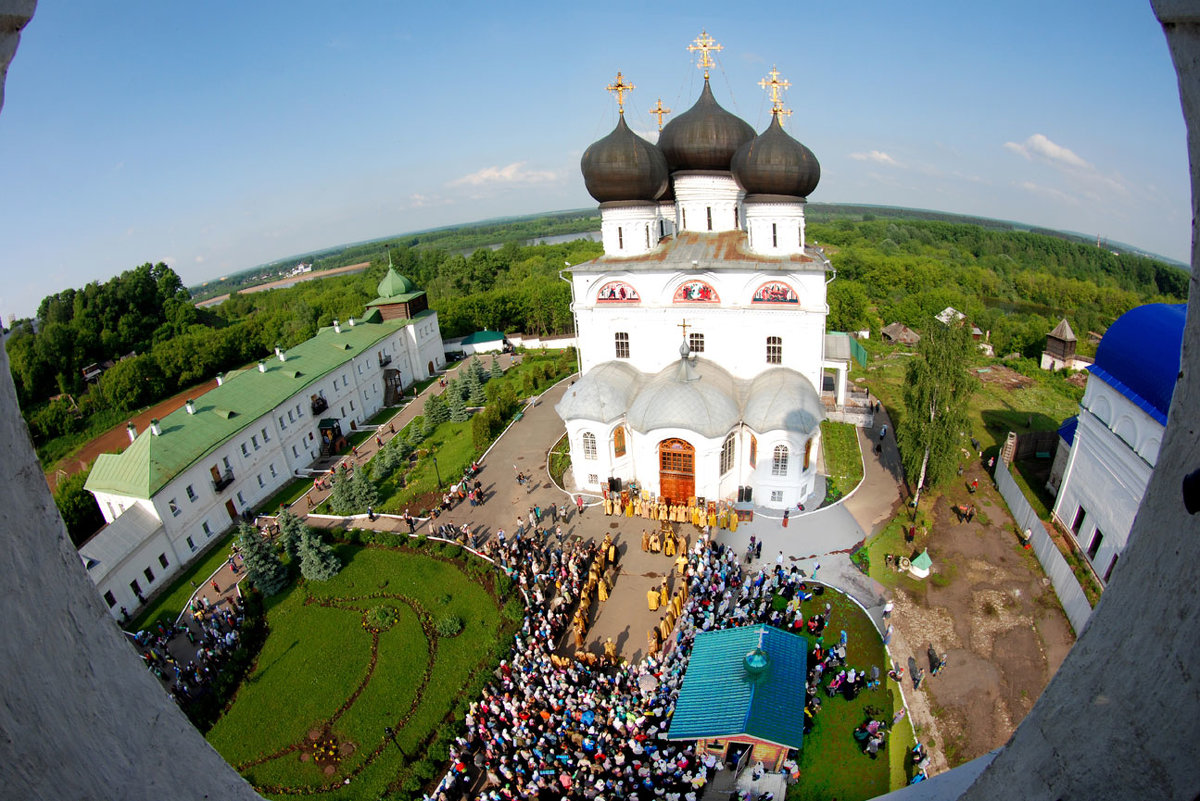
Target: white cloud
[(514, 173), (199, 260), (877, 156), (1042, 147), (1050, 192)]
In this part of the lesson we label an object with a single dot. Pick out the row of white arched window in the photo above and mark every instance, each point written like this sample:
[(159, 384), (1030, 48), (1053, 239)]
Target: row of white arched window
[(696, 344), (779, 457)]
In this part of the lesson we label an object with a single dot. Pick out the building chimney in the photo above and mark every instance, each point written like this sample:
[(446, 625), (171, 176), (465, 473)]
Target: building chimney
[(279, 352), (191, 407), (154, 427), (220, 379), (352, 321), (262, 366), (337, 328), (131, 429)]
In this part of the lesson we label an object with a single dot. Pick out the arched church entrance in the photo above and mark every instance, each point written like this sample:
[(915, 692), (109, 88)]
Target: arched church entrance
[(431, 368), (676, 470)]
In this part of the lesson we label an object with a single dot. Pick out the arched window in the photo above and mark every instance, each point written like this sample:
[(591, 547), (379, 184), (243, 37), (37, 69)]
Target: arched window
[(753, 452), (779, 463), (807, 453), (589, 445), (619, 441), (621, 340), (774, 350), (727, 452)]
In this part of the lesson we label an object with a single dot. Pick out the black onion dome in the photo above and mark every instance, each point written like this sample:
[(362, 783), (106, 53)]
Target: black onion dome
[(776, 164), (704, 137), (624, 166)]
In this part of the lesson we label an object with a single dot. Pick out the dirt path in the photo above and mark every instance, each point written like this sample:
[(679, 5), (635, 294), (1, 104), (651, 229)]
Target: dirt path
[(116, 438), (284, 282)]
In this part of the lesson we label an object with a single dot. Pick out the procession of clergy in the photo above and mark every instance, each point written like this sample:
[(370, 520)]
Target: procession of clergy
[(698, 513)]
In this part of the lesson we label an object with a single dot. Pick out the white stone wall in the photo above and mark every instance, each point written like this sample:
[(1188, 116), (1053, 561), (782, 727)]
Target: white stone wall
[(629, 230), (701, 194), (775, 229), (1108, 469)]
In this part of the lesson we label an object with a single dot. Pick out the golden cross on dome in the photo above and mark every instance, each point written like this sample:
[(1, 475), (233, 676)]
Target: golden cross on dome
[(706, 45), (684, 325), (619, 88), (775, 87), (660, 112)]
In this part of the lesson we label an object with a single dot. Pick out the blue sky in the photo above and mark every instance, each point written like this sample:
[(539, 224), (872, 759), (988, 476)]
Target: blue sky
[(218, 135)]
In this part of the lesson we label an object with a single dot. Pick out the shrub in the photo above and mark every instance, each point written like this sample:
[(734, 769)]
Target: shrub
[(449, 626)]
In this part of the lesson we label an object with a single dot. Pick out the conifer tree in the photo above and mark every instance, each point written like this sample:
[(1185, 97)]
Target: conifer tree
[(263, 567), (477, 370), (496, 370), (436, 411), (417, 431), (353, 493), (318, 562), (458, 407), (473, 390), (290, 530)]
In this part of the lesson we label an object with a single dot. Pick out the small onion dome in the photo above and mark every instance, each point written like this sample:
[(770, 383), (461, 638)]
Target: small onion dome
[(776, 164), (623, 166), (756, 662), (704, 137), (394, 285)]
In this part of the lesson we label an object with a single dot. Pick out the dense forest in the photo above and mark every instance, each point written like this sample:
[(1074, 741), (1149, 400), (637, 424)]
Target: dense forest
[(1015, 285)]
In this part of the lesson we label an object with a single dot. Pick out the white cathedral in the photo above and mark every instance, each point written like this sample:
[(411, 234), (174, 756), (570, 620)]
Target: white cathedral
[(701, 330)]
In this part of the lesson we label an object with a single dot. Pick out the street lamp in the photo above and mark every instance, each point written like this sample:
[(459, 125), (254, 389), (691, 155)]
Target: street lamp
[(436, 472), (390, 733)]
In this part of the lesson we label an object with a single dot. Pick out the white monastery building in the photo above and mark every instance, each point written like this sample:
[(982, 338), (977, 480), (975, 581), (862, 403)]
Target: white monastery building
[(1115, 440), (701, 330), (197, 471)]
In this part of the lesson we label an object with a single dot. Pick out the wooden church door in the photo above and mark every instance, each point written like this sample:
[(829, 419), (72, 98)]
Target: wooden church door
[(676, 470)]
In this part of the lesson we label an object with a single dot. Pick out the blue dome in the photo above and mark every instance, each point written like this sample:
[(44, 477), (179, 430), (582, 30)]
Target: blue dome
[(1139, 356)]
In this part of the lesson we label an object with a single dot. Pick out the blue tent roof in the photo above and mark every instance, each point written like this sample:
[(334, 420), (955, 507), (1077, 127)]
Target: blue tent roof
[(721, 698), (1139, 356), (1067, 429)]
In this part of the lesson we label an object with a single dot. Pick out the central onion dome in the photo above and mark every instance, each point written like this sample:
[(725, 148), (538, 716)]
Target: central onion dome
[(704, 137), (623, 166), (776, 164)]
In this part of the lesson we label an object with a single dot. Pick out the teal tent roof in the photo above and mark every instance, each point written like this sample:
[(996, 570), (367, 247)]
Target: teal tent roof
[(721, 699), (923, 562)]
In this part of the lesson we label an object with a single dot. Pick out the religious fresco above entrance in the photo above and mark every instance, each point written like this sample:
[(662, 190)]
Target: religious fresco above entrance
[(617, 292), (775, 292), (696, 292)]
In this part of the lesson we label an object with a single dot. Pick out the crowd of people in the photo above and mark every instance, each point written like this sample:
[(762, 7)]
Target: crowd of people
[(589, 726)]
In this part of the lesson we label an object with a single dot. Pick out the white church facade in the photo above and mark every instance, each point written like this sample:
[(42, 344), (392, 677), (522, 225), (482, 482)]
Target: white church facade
[(701, 330)]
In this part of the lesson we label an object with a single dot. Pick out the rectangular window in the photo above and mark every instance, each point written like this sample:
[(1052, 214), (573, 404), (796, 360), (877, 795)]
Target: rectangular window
[(696, 343), (266, 436), (776, 496), (174, 507), (335, 385), (1078, 522), (351, 405), (191, 545), (593, 478), (620, 238), (260, 481), (684, 214), (589, 445), (774, 350), (162, 560), (343, 408), (110, 599), (149, 574), (191, 492), (774, 236), (1111, 565), (736, 223), (622, 344), (709, 210), (206, 528), (137, 588), (647, 237), (254, 441), (241, 500), (245, 449), (282, 424), (225, 461), (1094, 548), (291, 419), (295, 453), (273, 473), (298, 412)]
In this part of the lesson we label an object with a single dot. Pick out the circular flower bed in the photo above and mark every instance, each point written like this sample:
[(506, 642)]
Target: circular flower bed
[(380, 618)]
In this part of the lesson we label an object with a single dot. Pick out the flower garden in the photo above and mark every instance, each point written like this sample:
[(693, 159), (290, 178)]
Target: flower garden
[(348, 659)]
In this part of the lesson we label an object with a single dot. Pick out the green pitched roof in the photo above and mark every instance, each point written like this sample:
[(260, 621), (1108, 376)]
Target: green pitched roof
[(923, 562), (479, 337), (150, 462), (719, 698)]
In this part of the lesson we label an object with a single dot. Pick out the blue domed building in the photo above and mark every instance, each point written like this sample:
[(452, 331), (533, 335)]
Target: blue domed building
[(1115, 439)]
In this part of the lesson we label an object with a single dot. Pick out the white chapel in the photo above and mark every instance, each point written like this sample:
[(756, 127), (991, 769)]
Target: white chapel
[(701, 330)]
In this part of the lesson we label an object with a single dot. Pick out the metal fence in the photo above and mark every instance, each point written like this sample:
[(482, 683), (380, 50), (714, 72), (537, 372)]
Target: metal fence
[(1066, 586)]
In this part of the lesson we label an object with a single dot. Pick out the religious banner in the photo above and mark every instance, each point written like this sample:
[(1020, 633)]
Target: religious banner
[(775, 292), (696, 292), (617, 292)]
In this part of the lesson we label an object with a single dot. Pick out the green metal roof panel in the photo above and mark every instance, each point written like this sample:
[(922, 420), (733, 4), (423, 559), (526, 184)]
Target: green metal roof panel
[(720, 699), (384, 300), (479, 337), (923, 562), (150, 462)]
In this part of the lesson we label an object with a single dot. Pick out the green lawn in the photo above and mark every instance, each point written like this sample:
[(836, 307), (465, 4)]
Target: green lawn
[(843, 459), (168, 605), (831, 764), (318, 655)]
